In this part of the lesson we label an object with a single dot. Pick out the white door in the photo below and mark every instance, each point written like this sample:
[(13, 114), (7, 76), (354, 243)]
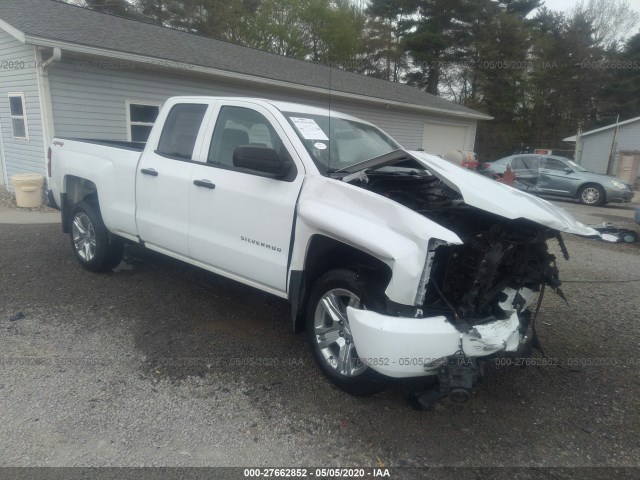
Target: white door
[(438, 138), (240, 222), (163, 181)]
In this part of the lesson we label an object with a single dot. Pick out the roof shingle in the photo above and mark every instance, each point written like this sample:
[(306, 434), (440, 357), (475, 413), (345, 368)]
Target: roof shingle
[(52, 20)]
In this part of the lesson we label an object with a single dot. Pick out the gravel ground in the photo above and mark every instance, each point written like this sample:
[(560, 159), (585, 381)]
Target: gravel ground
[(8, 199), (155, 365)]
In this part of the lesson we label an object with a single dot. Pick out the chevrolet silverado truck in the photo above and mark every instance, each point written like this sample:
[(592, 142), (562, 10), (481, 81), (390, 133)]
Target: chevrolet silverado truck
[(396, 263)]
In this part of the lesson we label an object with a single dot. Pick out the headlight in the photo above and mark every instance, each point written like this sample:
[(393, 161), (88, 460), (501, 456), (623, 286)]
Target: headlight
[(619, 185)]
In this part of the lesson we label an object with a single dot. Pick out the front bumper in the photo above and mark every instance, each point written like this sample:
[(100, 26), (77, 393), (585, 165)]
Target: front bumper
[(402, 347), (619, 196)]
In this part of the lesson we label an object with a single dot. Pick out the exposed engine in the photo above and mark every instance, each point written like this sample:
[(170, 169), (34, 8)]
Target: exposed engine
[(467, 282)]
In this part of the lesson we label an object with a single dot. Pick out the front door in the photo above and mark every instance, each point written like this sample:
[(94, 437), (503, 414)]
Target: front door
[(163, 182), (557, 178), (240, 222)]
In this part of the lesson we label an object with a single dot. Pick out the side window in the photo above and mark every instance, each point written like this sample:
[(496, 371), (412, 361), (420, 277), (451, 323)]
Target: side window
[(517, 163), (140, 119), (525, 162), (18, 114), (553, 164), (237, 126), (181, 130)]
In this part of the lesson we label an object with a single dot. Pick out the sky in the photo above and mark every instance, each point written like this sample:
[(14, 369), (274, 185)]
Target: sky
[(564, 5)]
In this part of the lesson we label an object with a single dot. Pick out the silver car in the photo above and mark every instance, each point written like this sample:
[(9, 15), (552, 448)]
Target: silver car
[(559, 176)]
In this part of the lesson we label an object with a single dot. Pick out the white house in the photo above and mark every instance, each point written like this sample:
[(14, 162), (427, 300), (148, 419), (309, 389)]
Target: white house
[(594, 148), (72, 72)]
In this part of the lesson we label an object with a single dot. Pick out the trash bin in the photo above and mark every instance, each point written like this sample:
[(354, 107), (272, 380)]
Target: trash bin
[(28, 187)]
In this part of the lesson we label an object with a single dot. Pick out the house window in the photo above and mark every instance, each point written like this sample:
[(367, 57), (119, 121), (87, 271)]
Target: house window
[(140, 118), (18, 114)]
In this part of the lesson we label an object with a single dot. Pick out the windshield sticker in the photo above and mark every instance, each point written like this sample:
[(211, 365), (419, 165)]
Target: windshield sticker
[(320, 145), (309, 129)]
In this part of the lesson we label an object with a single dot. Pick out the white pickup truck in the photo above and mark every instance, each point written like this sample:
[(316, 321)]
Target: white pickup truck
[(397, 264)]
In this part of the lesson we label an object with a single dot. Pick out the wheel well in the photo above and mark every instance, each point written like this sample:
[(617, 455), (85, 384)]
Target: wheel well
[(76, 189), (325, 254)]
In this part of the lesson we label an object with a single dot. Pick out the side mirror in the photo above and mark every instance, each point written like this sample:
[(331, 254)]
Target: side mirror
[(568, 170), (262, 160)]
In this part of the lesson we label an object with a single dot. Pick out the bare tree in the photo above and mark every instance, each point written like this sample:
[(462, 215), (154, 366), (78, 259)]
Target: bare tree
[(612, 20)]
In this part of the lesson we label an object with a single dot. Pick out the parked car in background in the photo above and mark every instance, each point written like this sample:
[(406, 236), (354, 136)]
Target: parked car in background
[(559, 176)]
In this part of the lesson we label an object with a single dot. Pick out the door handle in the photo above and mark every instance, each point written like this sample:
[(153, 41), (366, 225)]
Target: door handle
[(149, 171), (204, 183)]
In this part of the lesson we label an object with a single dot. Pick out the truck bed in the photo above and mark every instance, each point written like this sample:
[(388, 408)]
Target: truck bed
[(135, 146), (110, 165)]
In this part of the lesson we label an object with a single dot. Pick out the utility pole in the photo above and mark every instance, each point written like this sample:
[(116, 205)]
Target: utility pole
[(613, 146), (577, 157)]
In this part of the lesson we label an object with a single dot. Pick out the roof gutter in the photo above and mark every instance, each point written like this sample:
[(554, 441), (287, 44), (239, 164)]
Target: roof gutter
[(177, 65)]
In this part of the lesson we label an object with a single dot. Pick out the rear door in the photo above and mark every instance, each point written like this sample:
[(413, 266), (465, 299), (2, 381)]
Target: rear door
[(526, 167), (555, 178), (241, 223), (163, 180)]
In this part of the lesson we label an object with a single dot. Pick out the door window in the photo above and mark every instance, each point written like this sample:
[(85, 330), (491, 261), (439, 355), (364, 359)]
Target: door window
[(181, 130), (553, 164), (238, 126)]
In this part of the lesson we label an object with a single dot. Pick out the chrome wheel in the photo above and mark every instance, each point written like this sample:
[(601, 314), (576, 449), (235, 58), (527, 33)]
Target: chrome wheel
[(332, 332), (84, 236), (590, 195)]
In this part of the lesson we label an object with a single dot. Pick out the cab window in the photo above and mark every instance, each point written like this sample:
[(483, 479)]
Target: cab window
[(238, 126), (180, 131)]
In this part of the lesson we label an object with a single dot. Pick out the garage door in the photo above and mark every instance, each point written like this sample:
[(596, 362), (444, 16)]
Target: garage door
[(439, 138)]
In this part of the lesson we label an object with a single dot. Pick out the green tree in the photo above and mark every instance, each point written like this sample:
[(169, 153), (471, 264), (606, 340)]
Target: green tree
[(121, 8), (621, 93), (322, 31), (498, 74), (386, 55), (435, 37)]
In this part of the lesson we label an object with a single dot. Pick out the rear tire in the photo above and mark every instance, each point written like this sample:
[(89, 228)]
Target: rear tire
[(329, 336), (592, 195), (93, 246)]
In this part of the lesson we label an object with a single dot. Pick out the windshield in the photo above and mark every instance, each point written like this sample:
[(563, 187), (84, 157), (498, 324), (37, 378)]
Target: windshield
[(576, 166), (337, 143)]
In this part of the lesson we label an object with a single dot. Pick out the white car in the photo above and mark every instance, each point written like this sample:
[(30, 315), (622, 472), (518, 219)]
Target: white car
[(397, 264)]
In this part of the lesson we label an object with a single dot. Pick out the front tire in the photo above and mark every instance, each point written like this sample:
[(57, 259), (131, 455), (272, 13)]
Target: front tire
[(592, 195), (329, 335), (94, 248)]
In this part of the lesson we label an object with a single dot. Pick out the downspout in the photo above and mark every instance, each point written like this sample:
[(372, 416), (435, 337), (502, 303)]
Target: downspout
[(55, 58), (44, 92)]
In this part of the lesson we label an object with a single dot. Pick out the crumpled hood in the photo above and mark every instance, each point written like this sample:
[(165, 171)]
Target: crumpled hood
[(495, 197)]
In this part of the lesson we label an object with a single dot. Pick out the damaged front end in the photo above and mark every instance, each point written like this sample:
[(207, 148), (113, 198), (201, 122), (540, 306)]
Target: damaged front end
[(473, 300)]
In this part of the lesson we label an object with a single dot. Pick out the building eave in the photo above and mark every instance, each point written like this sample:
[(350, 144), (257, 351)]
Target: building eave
[(603, 129), (14, 32), (246, 78)]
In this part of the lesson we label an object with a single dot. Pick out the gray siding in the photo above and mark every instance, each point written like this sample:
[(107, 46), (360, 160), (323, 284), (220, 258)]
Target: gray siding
[(628, 139), (596, 148), (90, 102), (20, 156)]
